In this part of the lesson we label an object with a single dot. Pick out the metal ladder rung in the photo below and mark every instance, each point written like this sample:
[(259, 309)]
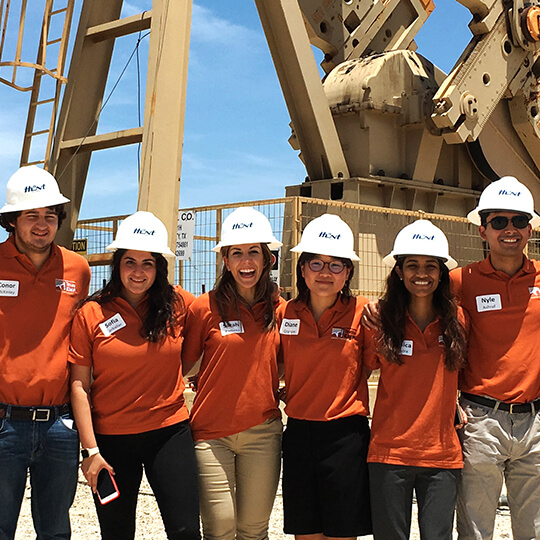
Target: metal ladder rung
[(34, 133), (36, 162), (57, 11), (43, 102), (52, 42)]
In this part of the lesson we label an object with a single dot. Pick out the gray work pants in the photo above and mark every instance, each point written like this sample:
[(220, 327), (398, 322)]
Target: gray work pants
[(497, 446)]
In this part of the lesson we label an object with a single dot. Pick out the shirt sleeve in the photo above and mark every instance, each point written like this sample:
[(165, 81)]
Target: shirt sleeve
[(194, 334), (369, 351), (81, 341)]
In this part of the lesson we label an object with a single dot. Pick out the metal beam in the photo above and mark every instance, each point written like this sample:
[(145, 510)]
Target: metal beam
[(81, 104), (302, 88), (159, 189), (122, 27)]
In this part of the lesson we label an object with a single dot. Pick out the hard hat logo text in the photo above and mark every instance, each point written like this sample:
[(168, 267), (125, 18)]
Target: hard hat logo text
[(30, 189), (242, 226), (511, 193), (138, 230), (330, 236), (419, 236)]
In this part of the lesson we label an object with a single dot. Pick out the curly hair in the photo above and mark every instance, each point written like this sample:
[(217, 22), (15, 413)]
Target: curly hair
[(227, 297), (7, 219), (303, 290), (393, 312), (164, 304)]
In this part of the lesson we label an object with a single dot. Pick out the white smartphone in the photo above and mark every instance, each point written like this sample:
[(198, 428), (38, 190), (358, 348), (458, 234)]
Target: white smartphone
[(107, 490)]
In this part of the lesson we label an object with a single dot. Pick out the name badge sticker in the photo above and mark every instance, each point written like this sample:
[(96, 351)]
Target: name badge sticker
[(534, 292), (290, 327), (231, 327), (488, 302), (407, 347), (112, 325), (9, 287)]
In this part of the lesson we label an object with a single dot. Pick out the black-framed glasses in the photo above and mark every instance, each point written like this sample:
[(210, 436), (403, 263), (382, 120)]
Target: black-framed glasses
[(316, 265), (501, 222)]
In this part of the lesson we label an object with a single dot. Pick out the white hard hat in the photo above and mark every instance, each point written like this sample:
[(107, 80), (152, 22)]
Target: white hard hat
[(31, 187), (508, 193), (246, 226), (328, 235), (421, 238), (142, 231)]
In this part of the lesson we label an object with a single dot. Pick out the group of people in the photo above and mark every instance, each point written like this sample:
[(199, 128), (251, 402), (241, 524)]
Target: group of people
[(109, 370)]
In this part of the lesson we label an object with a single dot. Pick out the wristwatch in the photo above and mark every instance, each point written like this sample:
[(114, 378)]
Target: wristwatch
[(87, 452)]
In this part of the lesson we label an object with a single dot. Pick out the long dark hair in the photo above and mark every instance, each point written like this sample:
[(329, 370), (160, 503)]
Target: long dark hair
[(393, 311), (164, 304), (227, 297), (303, 290)]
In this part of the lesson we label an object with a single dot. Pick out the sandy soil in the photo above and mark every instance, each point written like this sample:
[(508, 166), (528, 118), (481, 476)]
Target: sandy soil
[(149, 527)]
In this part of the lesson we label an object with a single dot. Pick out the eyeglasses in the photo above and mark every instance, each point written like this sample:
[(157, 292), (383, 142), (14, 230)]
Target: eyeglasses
[(316, 265), (501, 222)]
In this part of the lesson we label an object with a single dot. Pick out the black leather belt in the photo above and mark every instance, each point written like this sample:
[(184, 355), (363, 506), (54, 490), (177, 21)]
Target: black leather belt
[(33, 414), (512, 408)]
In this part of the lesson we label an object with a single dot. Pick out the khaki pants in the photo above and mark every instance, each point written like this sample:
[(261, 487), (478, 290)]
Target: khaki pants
[(498, 445), (238, 479)]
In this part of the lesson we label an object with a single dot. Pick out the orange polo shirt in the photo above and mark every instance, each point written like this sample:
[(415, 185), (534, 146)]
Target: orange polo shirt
[(238, 377), (36, 309), (138, 385), (324, 371), (413, 418), (504, 341)]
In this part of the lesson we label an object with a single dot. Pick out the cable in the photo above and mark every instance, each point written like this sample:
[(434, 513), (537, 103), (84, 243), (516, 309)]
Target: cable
[(76, 151)]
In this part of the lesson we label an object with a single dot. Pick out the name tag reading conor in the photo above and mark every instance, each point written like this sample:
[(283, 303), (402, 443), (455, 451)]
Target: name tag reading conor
[(407, 347), (488, 302), (110, 326), (290, 327), (9, 287), (231, 327)]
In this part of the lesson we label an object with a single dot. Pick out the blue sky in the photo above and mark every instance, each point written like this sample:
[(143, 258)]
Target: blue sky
[(237, 124)]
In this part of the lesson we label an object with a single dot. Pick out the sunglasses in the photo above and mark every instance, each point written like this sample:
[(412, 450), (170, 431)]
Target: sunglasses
[(501, 222), (316, 265)]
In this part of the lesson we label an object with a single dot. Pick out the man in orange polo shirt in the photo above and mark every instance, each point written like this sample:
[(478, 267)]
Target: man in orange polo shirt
[(40, 284), (500, 386)]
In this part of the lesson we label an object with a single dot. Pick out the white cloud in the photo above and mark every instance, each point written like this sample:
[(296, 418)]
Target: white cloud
[(208, 28)]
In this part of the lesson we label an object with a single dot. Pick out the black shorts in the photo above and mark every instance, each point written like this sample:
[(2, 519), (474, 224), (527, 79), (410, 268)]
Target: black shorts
[(325, 477)]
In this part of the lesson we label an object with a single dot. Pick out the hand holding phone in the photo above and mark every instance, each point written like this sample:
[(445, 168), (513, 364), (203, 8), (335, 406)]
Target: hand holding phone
[(107, 490)]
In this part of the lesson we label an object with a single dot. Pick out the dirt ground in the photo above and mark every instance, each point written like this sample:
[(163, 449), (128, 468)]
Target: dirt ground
[(149, 527)]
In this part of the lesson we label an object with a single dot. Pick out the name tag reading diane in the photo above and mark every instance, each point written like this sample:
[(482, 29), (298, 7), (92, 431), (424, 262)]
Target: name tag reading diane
[(290, 327)]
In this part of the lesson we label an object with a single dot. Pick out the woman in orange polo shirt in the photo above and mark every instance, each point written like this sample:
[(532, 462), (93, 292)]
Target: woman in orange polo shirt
[(127, 385), (325, 479), (235, 419), (419, 349)]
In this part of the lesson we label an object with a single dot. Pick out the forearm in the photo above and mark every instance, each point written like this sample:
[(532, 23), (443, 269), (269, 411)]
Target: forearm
[(80, 402)]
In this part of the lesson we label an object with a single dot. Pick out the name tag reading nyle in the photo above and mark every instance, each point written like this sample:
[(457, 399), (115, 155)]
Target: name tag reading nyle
[(488, 302), (112, 325), (231, 327), (290, 327)]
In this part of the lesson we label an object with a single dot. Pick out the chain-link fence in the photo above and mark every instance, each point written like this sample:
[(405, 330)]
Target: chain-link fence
[(375, 229)]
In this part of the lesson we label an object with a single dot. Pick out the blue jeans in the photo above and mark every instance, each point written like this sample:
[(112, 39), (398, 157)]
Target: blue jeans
[(50, 451)]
